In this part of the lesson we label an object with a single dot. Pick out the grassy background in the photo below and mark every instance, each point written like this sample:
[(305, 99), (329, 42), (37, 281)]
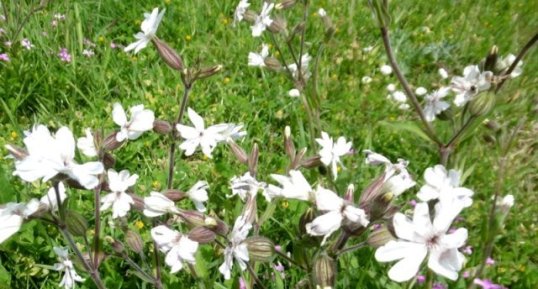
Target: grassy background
[(37, 87)]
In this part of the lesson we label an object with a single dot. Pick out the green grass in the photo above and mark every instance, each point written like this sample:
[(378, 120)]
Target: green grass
[(36, 87)]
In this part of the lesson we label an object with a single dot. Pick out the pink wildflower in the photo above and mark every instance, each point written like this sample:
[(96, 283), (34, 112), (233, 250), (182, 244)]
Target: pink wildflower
[(4, 57), (64, 55)]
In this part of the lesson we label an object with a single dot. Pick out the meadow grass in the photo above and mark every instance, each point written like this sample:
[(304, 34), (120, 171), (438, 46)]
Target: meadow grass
[(36, 87)]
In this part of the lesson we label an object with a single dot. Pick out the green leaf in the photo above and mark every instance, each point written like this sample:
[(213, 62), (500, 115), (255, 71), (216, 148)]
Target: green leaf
[(407, 126), (5, 278)]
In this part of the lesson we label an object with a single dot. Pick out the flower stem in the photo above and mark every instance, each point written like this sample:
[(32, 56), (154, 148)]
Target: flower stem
[(520, 55), (289, 259), (97, 215), (254, 276), (351, 248), (171, 160)]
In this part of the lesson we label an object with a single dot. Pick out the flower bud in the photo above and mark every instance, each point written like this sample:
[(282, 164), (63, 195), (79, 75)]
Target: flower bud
[(134, 241), (238, 152), (491, 59), (324, 271), (117, 246), (168, 54), (349, 193), (371, 192), (285, 4), (175, 195), (208, 72), (311, 162), (272, 63), (108, 160), (162, 126), (288, 143), (250, 16), (482, 104), (297, 159), (253, 160), (193, 218), (278, 25), (492, 125), (76, 223), (17, 152), (446, 114), (260, 248), (138, 202), (379, 237), (111, 143), (202, 235), (221, 228)]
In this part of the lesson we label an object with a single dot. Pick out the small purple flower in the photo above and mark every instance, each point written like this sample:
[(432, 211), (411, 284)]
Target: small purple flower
[(242, 283), (4, 57), (487, 284), (54, 23), (421, 279), (376, 227), (412, 203), (278, 248), (26, 44), (59, 16), (64, 55), (490, 261), (88, 53), (466, 274), (279, 267), (438, 286), (468, 250)]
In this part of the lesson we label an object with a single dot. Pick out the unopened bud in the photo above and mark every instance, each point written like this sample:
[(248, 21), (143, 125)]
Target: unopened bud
[(379, 237), (208, 72), (76, 223), (202, 235), (307, 217), (210, 222), (134, 241), (250, 16), (482, 104), (260, 249), (117, 246), (17, 152), (168, 54), (111, 143), (278, 25), (349, 193), (162, 126), (253, 160), (492, 125), (311, 162), (221, 228), (272, 63), (285, 4), (193, 218), (288, 143), (446, 114), (238, 152), (175, 195), (324, 271), (108, 160), (491, 59), (138, 202), (372, 191)]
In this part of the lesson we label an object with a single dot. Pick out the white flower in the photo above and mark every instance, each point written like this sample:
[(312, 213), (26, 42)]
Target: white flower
[(368, 49), (322, 12), (26, 44), (86, 144), (245, 185), (294, 93), (396, 179), (263, 20), (240, 11), (507, 201), (50, 200), (233, 132), (258, 59), (420, 237), (179, 248), (12, 216), (443, 73), (420, 91), (198, 195), (88, 53), (391, 87), (158, 204), (198, 135), (149, 28), (506, 62), (141, 121), (444, 186), (366, 79), (434, 103), (118, 184), (305, 61), (386, 69), (400, 98), (472, 83), (331, 152), (236, 248), (50, 155), (294, 186), (65, 265), (337, 210)]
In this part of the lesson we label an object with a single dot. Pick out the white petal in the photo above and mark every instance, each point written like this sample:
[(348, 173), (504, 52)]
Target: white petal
[(196, 120), (118, 115)]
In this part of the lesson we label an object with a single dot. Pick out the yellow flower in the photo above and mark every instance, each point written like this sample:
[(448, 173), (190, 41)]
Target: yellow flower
[(101, 39), (139, 224), (285, 204), (156, 185), (14, 135), (226, 80), (167, 1), (188, 37)]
